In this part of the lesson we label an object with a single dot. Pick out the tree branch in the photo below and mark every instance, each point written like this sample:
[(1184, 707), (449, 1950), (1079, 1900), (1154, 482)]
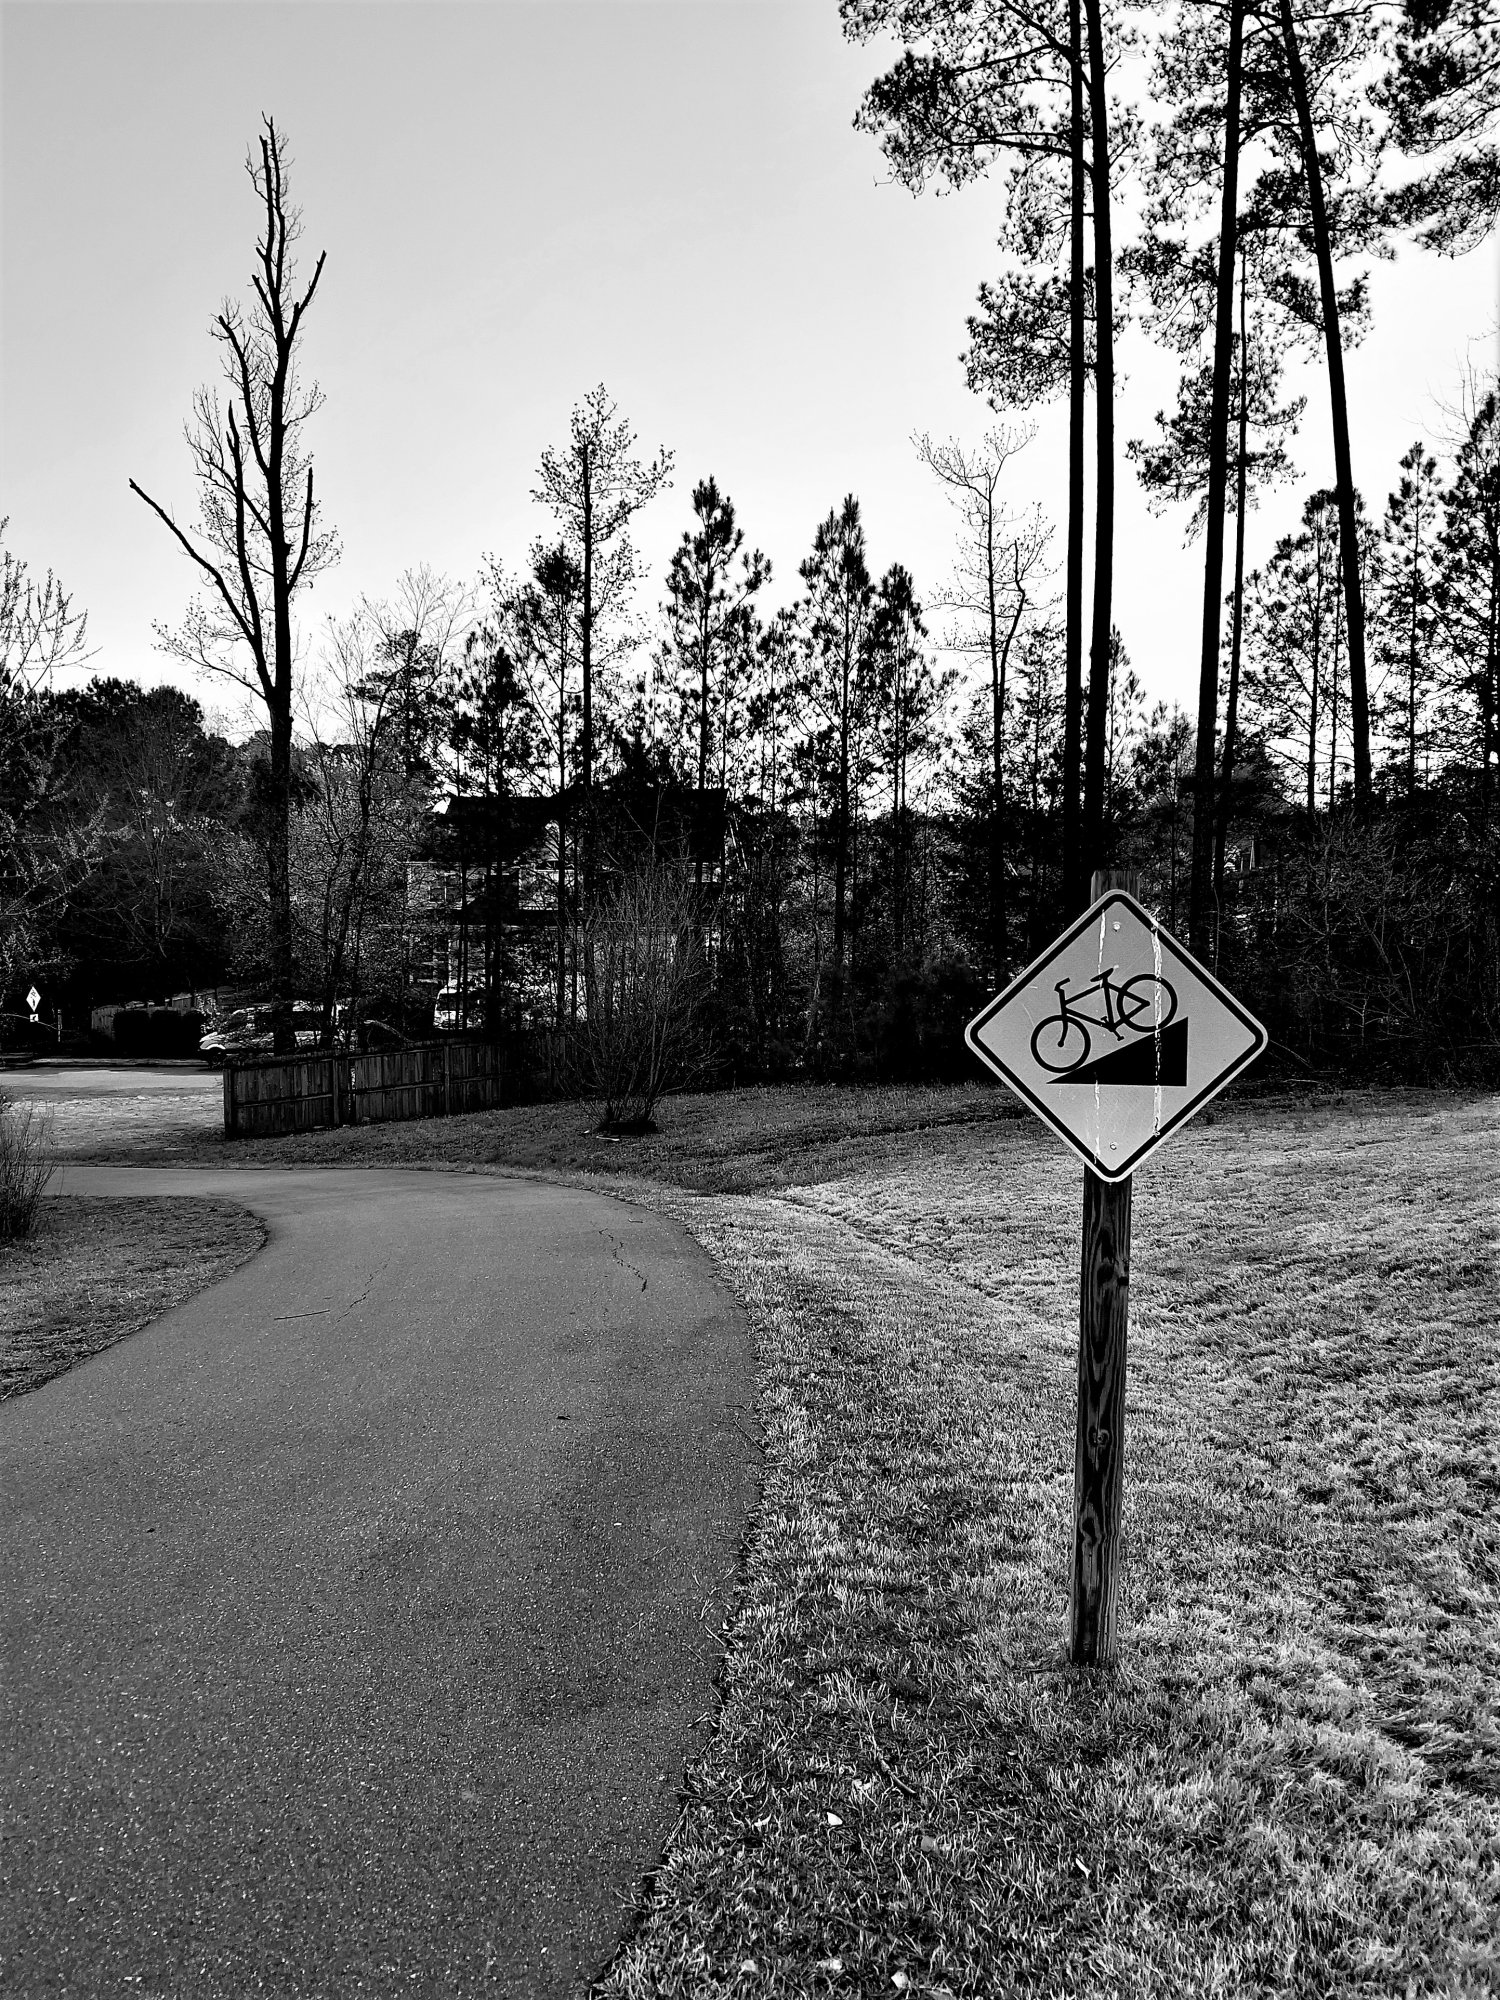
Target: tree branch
[(202, 562)]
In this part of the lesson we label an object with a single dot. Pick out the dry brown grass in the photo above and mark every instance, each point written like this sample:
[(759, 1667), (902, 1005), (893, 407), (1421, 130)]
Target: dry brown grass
[(1292, 1783), (97, 1269)]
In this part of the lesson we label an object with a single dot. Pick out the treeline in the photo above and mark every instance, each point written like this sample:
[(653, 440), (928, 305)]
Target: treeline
[(862, 837), (858, 795)]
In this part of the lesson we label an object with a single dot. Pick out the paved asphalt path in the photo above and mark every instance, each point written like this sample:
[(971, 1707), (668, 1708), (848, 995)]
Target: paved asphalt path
[(359, 1615)]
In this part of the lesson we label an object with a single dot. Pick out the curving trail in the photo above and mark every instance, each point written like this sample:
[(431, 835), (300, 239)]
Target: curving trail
[(360, 1614)]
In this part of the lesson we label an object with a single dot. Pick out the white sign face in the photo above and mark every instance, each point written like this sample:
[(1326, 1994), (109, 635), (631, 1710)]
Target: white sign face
[(33, 999), (1116, 1035)]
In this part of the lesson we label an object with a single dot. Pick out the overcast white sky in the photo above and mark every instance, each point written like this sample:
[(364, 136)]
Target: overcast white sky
[(518, 201)]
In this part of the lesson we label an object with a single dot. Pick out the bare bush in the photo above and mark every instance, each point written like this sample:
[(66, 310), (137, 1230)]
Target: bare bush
[(26, 1156), (643, 983)]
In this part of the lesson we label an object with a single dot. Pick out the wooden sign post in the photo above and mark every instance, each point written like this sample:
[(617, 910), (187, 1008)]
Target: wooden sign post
[(1099, 1457), (1099, 1451), (1115, 1036)]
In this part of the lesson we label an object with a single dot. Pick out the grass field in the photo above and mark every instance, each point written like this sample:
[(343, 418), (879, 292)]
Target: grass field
[(1291, 1783), (730, 1141), (96, 1270)]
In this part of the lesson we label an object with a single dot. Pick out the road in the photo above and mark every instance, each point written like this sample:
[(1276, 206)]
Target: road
[(50, 1080), (120, 1105), (359, 1614)]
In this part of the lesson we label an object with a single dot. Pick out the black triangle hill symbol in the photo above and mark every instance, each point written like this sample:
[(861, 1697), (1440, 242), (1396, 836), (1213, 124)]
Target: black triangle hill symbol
[(1136, 1063)]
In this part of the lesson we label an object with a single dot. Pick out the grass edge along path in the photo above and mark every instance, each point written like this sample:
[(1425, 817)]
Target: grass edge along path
[(1292, 1783), (100, 1267)]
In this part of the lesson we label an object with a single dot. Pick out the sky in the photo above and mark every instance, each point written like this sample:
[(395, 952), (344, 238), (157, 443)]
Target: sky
[(520, 199)]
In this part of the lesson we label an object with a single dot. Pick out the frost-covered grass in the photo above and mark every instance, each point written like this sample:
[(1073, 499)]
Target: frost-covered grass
[(1292, 1782)]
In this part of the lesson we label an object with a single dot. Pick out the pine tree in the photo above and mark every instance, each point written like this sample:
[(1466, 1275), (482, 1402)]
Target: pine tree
[(840, 599), (595, 487), (906, 699), (1466, 599), (1409, 560), (981, 81), (1442, 94), (1294, 635), (710, 587)]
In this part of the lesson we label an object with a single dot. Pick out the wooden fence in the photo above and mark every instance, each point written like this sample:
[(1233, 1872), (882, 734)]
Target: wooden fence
[(431, 1080)]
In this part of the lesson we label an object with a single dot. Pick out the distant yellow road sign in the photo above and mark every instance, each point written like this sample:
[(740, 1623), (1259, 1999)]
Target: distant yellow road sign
[(1116, 1035)]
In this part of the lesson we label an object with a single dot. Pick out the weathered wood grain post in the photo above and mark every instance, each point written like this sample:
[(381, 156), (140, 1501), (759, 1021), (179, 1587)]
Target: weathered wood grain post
[(1099, 1452)]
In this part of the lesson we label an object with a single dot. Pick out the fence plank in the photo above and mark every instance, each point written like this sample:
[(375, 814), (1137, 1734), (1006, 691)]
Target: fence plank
[(263, 1099)]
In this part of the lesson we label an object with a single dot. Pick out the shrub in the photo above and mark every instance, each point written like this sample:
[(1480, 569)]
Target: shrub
[(159, 1031), (26, 1156), (130, 1028), (643, 987)]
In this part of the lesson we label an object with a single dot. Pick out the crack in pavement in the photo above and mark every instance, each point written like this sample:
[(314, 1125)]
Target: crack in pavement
[(617, 1251), (318, 1312)]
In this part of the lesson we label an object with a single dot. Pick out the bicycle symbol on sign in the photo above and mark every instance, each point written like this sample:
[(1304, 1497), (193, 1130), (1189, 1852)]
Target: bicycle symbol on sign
[(1140, 1006)]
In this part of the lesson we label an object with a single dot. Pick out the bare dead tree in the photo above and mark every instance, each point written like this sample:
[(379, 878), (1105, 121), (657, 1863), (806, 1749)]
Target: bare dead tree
[(257, 540), (1001, 573)]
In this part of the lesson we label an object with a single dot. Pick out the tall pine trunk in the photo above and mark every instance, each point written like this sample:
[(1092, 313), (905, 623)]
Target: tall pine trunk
[(586, 664), (1200, 881), (1317, 661), (1354, 613), (1232, 705), (841, 827), (703, 652), (562, 819), (1094, 855), (1489, 734), (1074, 881)]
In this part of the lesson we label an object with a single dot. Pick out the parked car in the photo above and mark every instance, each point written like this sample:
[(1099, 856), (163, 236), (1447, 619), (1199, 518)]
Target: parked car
[(231, 1035), (248, 1033), (447, 1012)]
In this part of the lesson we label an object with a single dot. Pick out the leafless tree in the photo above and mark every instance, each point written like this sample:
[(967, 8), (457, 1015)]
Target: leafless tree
[(999, 577), (638, 1037), (39, 629), (419, 636), (258, 540), (352, 833), (42, 849)]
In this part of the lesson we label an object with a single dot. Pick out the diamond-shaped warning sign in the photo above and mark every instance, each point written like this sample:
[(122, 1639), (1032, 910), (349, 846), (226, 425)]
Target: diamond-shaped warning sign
[(1116, 1035)]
